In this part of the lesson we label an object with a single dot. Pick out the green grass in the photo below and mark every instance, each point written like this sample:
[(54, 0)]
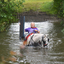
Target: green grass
[(37, 5), (47, 7), (38, 0)]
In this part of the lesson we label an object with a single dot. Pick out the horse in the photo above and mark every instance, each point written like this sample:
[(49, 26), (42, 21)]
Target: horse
[(37, 39)]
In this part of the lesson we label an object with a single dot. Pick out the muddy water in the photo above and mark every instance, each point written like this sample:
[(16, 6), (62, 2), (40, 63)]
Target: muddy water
[(9, 41)]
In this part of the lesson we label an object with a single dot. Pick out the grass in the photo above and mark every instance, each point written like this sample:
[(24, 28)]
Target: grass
[(37, 1), (37, 5), (47, 7)]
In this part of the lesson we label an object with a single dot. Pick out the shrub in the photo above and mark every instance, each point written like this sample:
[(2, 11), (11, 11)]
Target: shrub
[(8, 12)]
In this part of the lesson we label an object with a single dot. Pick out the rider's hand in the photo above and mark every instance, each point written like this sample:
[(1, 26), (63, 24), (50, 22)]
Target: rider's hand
[(35, 30)]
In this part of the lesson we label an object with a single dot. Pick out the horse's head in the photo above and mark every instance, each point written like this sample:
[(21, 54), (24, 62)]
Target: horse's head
[(45, 40)]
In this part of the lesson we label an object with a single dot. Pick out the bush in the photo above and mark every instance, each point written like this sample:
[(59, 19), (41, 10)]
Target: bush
[(59, 7), (8, 12), (47, 7)]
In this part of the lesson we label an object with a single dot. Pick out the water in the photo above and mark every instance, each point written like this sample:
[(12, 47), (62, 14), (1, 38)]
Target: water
[(9, 43)]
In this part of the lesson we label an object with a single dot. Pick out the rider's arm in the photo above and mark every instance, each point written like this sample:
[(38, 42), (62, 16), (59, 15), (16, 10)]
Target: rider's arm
[(26, 30), (36, 31)]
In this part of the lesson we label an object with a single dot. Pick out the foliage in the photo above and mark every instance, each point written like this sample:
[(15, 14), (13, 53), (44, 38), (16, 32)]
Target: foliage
[(47, 7), (8, 12), (62, 31), (63, 8), (59, 7), (62, 24), (59, 10)]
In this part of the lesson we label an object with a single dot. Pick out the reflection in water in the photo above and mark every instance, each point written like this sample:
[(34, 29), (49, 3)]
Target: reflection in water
[(9, 46)]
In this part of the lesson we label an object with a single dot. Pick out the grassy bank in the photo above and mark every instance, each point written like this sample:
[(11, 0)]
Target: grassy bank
[(38, 5)]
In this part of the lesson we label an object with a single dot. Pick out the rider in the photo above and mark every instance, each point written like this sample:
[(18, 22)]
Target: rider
[(32, 29)]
